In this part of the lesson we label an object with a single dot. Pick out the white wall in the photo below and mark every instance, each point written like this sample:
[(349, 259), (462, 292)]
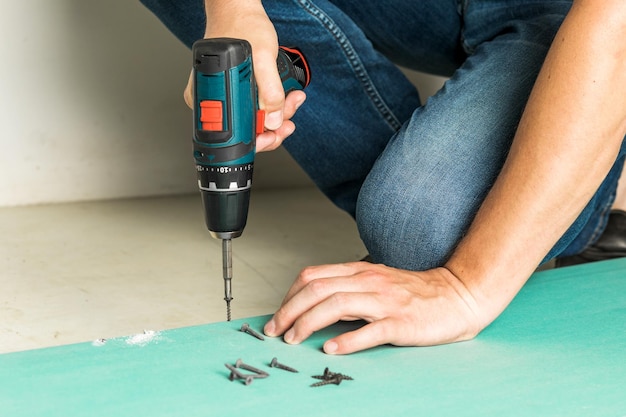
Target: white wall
[(87, 109), (91, 105)]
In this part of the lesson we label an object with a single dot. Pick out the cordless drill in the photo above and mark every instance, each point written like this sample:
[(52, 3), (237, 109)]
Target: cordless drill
[(226, 120)]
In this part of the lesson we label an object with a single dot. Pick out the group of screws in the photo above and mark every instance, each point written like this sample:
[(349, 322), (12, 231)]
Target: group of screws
[(235, 371), (329, 377), (326, 378)]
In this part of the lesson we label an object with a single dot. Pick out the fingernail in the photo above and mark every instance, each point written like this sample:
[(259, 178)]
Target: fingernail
[(300, 103), (274, 120), (270, 328), (330, 347), (289, 336)]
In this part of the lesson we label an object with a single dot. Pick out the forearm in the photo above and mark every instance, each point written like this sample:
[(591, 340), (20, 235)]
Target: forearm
[(566, 142), (230, 16)]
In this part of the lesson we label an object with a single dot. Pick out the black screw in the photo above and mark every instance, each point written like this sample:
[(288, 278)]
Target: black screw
[(326, 375), (330, 378), (247, 329), (259, 373), (275, 364), (335, 379)]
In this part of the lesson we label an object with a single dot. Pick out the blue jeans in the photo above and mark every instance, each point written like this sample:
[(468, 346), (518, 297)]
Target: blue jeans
[(413, 174)]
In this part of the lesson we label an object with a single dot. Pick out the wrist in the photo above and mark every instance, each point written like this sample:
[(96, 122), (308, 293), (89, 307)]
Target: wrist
[(492, 281), (475, 312)]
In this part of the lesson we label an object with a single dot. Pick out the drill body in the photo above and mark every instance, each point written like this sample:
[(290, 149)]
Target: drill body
[(226, 120), (225, 109)]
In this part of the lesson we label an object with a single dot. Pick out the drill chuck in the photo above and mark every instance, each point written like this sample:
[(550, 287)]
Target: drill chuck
[(226, 204)]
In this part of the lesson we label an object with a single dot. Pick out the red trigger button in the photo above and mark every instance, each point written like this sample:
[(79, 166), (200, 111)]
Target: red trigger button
[(260, 121)]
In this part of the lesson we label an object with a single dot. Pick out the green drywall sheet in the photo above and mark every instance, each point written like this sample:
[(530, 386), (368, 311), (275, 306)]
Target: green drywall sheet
[(558, 350)]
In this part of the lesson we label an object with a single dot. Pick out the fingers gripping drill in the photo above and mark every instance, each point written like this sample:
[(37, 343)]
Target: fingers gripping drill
[(226, 120)]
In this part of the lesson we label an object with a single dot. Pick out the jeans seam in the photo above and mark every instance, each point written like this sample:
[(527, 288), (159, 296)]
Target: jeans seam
[(355, 62), (461, 7), (599, 229)]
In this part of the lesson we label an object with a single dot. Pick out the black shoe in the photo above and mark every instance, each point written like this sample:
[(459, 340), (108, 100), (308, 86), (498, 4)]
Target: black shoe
[(612, 243)]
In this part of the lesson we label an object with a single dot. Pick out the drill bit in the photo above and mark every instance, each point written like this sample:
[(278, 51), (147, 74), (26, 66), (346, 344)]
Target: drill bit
[(227, 265)]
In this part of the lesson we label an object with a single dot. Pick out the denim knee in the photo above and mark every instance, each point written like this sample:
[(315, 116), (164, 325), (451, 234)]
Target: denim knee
[(424, 190), (410, 224)]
